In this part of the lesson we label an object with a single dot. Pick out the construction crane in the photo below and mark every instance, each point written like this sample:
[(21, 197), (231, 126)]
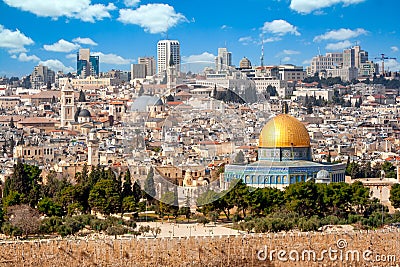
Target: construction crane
[(383, 57)]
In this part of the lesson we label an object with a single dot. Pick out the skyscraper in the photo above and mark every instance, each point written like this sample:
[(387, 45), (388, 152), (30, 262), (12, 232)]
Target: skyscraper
[(87, 65), (224, 59), (167, 49)]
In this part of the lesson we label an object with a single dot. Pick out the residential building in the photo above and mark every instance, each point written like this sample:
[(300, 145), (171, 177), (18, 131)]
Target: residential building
[(150, 63), (138, 71), (167, 50), (328, 61), (41, 75)]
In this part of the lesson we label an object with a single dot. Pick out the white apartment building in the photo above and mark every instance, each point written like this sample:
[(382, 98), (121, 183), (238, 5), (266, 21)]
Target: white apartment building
[(292, 73), (345, 74), (328, 61), (167, 50), (301, 92)]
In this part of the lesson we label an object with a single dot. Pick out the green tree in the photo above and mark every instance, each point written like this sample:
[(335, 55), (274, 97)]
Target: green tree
[(49, 207), (104, 197), (127, 185), (301, 197), (389, 169), (12, 125), (82, 96), (239, 158), (167, 204), (149, 187), (239, 196), (395, 196), (26, 181)]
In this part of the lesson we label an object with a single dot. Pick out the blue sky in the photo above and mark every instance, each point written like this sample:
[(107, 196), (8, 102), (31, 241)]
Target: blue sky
[(51, 31)]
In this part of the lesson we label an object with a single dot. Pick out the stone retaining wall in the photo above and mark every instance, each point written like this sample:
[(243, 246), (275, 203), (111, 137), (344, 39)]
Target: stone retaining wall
[(334, 249)]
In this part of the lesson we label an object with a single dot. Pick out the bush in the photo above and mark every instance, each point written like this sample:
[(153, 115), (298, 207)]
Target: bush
[(50, 225), (330, 219), (310, 224), (10, 230), (116, 230)]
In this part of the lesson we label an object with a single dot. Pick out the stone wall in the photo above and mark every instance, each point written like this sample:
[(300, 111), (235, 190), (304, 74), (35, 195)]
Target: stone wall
[(342, 249)]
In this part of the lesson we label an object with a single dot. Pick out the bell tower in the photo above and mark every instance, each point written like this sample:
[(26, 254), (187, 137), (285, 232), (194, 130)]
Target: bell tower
[(67, 104)]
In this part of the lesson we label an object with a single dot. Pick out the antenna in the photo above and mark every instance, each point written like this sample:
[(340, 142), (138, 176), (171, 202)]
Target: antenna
[(319, 51), (262, 51)]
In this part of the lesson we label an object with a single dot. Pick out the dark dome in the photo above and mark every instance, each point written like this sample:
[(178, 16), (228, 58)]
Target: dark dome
[(84, 113)]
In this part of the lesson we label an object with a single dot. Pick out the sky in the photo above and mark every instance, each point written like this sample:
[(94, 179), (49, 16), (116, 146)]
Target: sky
[(50, 32)]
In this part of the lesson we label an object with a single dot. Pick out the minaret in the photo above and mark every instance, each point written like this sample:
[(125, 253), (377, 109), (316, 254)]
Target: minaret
[(93, 149), (67, 104), (171, 76)]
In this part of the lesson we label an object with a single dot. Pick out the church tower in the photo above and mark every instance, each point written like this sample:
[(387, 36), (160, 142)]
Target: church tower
[(67, 104), (93, 149)]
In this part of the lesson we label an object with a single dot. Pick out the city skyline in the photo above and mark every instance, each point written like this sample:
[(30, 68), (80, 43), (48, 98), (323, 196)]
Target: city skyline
[(51, 32)]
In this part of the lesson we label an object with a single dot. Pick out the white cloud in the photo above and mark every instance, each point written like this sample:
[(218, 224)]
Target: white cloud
[(95, 12), (308, 6), (338, 46), (204, 57), (131, 3), (71, 56), (279, 27), (394, 49), (154, 18), (85, 41), (111, 58), (341, 34), (56, 65), (272, 39), (286, 59), (80, 9), (225, 27), (392, 65), (290, 52), (307, 62), (62, 46), (25, 58), (197, 63), (246, 40), (13, 41)]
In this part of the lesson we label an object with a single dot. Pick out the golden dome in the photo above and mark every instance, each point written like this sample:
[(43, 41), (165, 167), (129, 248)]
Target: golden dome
[(284, 131)]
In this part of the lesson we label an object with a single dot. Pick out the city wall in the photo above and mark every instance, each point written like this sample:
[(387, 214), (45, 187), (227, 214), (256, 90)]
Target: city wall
[(374, 248)]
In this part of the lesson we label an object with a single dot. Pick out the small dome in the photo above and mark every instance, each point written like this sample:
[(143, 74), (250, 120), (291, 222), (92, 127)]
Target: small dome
[(322, 175), (84, 113), (245, 63), (284, 131)]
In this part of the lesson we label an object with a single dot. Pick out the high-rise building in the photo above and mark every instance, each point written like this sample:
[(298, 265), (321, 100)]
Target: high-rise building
[(224, 59), (150, 63), (41, 75), (87, 65), (167, 50)]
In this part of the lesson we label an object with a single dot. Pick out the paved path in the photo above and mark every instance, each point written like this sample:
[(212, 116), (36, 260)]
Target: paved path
[(170, 229)]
